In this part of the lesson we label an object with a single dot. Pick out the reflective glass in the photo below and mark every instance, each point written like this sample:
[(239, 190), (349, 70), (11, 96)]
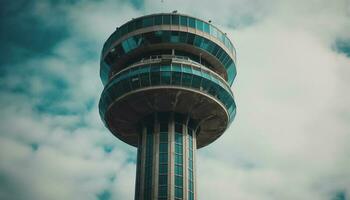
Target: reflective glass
[(166, 19), (178, 192), (165, 77), (163, 191), (163, 179), (175, 19), (163, 158), (191, 22), (183, 20), (178, 180), (147, 21), (158, 20), (206, 28), (199, 25), (163, 168)]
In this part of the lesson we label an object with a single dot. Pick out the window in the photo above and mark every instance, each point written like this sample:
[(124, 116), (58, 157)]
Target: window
[(163, 191), (148, 21), (175, 37), (178, 192), (199, 25), (186, 79), (163, 180), (163, 147), (166, 19), (191, 22), (183, 20), (206, 28), (165, 77), (175, 19), (176, 78), (158, 20)]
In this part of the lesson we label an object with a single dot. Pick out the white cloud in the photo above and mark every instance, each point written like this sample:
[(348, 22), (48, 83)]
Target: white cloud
[(289, 139)]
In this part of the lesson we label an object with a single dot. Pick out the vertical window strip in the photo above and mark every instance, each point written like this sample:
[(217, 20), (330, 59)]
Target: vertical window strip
[(163, 162), (190, 165), (148, 164), (178, 161), (138, 169)]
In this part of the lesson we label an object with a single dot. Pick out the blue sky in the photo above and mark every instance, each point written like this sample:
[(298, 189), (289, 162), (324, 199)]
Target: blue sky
[(290, 139)]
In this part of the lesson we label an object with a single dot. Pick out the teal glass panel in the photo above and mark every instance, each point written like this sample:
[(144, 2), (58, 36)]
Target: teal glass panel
[(163, 191), (163, 157), (176, 78), (198, 41), (183, 37), (175, 19), (178, 192), (213, 31), (178, 181), (163, 168), (178, 170), (183, 20), (175, 37), (191, 22), (123, 30), (196, 82), (206, 28), (155, 78), (186, 79), (165, 77), (178, 148), (165, 68), (166, 19), (131, 26), (187, 69), (144, 79), (178, 159), (138, 24), (148, 21), (190, 186), (125, 46), (199, 25), (176, 67), (158, 20), (163, 147), (163, 180)]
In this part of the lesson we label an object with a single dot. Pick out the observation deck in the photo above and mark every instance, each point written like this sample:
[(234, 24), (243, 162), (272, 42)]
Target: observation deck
[(167, 63)]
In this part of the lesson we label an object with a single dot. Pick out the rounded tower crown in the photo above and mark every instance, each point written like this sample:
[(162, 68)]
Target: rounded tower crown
[(167, 63)]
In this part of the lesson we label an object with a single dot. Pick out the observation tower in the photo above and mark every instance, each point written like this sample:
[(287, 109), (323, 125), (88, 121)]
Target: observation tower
[(167, 81)]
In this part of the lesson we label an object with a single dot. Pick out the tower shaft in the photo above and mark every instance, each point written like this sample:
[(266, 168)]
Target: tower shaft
[(166, 159)]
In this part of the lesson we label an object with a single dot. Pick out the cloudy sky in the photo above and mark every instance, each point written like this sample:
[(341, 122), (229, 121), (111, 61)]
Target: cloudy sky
[(290, 139)]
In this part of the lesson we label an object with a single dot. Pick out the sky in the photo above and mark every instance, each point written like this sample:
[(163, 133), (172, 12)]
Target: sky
[(290, 139)]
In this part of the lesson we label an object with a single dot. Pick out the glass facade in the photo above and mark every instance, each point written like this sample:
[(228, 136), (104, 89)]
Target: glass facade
[(176, 37), (147, 194), (163, 161), (138, 169), (178, 154), (174, 177), (174, 74), (190, 165), (168, 19)]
